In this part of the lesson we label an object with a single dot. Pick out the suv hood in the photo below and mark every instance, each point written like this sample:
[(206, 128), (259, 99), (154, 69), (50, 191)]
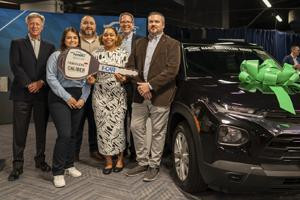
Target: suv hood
[(229, 92)]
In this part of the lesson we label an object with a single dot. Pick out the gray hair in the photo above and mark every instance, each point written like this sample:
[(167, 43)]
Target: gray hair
[(128, 14), (34, 15)]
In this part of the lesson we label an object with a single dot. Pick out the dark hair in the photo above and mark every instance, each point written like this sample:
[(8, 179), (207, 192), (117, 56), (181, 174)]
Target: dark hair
[(128, 14), (157, 13), (294, 46), (119, 38), (63, 37)]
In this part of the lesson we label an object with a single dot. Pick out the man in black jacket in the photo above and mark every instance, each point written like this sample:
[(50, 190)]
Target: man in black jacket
[(293, 58), (126, 21), (28, 58)]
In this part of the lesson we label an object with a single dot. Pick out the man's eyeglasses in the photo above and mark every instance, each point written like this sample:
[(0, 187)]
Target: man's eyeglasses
[(125, 22)]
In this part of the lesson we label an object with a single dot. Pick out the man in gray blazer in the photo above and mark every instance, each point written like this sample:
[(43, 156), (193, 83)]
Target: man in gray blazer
[(157, 59)]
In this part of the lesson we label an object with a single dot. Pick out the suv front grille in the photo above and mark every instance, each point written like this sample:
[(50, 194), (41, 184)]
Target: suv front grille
[(282, 116), (283, 148)]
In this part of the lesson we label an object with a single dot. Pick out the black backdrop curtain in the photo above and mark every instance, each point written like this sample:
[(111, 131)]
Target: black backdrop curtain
[(275, 42)]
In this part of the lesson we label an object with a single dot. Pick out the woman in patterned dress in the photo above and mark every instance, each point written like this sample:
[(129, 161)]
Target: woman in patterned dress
[(109, 100)]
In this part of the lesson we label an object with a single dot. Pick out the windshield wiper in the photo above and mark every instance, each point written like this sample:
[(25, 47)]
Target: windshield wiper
[(199, 77)]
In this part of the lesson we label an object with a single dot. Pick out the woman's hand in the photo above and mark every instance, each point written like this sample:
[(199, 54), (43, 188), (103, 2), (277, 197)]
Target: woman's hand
[(120, 78), (80, 103), (72, 103), (91, 79)]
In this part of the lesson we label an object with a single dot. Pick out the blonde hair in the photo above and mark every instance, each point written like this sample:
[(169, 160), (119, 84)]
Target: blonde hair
[(34, 15)]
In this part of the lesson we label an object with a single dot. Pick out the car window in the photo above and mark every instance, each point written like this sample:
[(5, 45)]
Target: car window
[(219, 61)]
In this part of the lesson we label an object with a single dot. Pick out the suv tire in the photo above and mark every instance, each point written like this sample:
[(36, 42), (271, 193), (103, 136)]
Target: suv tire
[(185, 169)]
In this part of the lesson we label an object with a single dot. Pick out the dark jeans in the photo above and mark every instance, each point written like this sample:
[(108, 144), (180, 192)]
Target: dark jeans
[(66, 121), (21, 118), (92, 132)]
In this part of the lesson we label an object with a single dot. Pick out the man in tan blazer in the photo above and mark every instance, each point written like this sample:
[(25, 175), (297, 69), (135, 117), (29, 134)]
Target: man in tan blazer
[(157, 59)]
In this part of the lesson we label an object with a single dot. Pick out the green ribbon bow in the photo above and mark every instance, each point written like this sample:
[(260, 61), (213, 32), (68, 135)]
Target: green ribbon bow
[(269, 78)]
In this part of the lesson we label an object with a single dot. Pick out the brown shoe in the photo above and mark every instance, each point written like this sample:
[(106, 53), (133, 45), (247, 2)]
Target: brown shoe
[(96, 155)]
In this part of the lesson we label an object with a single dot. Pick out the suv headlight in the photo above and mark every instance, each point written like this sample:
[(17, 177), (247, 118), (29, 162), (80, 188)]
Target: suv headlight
[(233, 136)]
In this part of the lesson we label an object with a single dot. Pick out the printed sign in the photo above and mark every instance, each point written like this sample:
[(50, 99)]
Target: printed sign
[(118, 70), (77, 64)]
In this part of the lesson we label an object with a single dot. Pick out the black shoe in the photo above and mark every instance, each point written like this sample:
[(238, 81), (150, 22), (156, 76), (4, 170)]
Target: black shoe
[(14, 175), (107, 171), (43, 166), (2, 163), (118, 169)]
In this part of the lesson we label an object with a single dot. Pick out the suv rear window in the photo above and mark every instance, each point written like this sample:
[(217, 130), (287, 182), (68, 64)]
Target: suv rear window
[(219, 60)]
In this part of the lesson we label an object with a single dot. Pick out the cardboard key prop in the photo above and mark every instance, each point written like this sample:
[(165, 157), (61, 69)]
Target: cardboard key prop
[(77, 64)]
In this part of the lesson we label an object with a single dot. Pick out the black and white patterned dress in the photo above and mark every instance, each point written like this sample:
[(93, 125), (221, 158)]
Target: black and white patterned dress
[(109, 103)]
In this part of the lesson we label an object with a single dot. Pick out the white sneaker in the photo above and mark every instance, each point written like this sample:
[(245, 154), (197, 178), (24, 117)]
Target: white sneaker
[(72, 171), (59, 181)]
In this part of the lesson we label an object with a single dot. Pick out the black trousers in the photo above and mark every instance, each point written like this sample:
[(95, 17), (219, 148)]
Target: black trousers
[(21, 118), (66, 121), (130, 150), (92, 131)]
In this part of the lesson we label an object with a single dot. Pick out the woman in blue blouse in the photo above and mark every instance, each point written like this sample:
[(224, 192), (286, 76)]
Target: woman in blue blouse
[(65, 100)]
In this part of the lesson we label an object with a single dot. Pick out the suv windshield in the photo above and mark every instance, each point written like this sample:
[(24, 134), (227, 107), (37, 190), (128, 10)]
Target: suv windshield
[(219, 60)]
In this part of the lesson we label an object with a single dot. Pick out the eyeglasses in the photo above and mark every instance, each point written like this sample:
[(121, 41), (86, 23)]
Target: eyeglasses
[(126, 22)]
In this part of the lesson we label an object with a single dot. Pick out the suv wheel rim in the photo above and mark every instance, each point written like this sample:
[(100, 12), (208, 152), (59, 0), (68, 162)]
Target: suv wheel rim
[(181, 156)]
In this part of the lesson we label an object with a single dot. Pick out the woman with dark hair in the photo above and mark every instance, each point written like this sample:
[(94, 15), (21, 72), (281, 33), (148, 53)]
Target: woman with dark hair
[(65, 100), (109, 100)]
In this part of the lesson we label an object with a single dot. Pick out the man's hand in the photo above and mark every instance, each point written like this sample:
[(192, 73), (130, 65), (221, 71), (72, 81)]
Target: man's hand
[(143, 88), (147, 96), (79, 104), (72, 103), (34, 87), (120, 78)]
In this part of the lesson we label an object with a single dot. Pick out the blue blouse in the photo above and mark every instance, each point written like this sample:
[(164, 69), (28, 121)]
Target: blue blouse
[(58, 83)]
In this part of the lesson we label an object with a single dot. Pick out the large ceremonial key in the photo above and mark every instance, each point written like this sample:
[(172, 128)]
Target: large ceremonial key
[(77, 64)]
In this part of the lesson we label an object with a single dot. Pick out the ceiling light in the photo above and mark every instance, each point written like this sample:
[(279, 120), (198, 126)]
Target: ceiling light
[(83, 2), (278, 18), (267, 3), (7, 2)]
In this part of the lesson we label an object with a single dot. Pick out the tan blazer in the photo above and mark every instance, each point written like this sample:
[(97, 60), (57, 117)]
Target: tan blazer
[(163, 69)]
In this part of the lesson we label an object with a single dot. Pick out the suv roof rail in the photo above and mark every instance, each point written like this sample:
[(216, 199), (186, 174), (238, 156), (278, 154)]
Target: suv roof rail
[(231, 40)]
